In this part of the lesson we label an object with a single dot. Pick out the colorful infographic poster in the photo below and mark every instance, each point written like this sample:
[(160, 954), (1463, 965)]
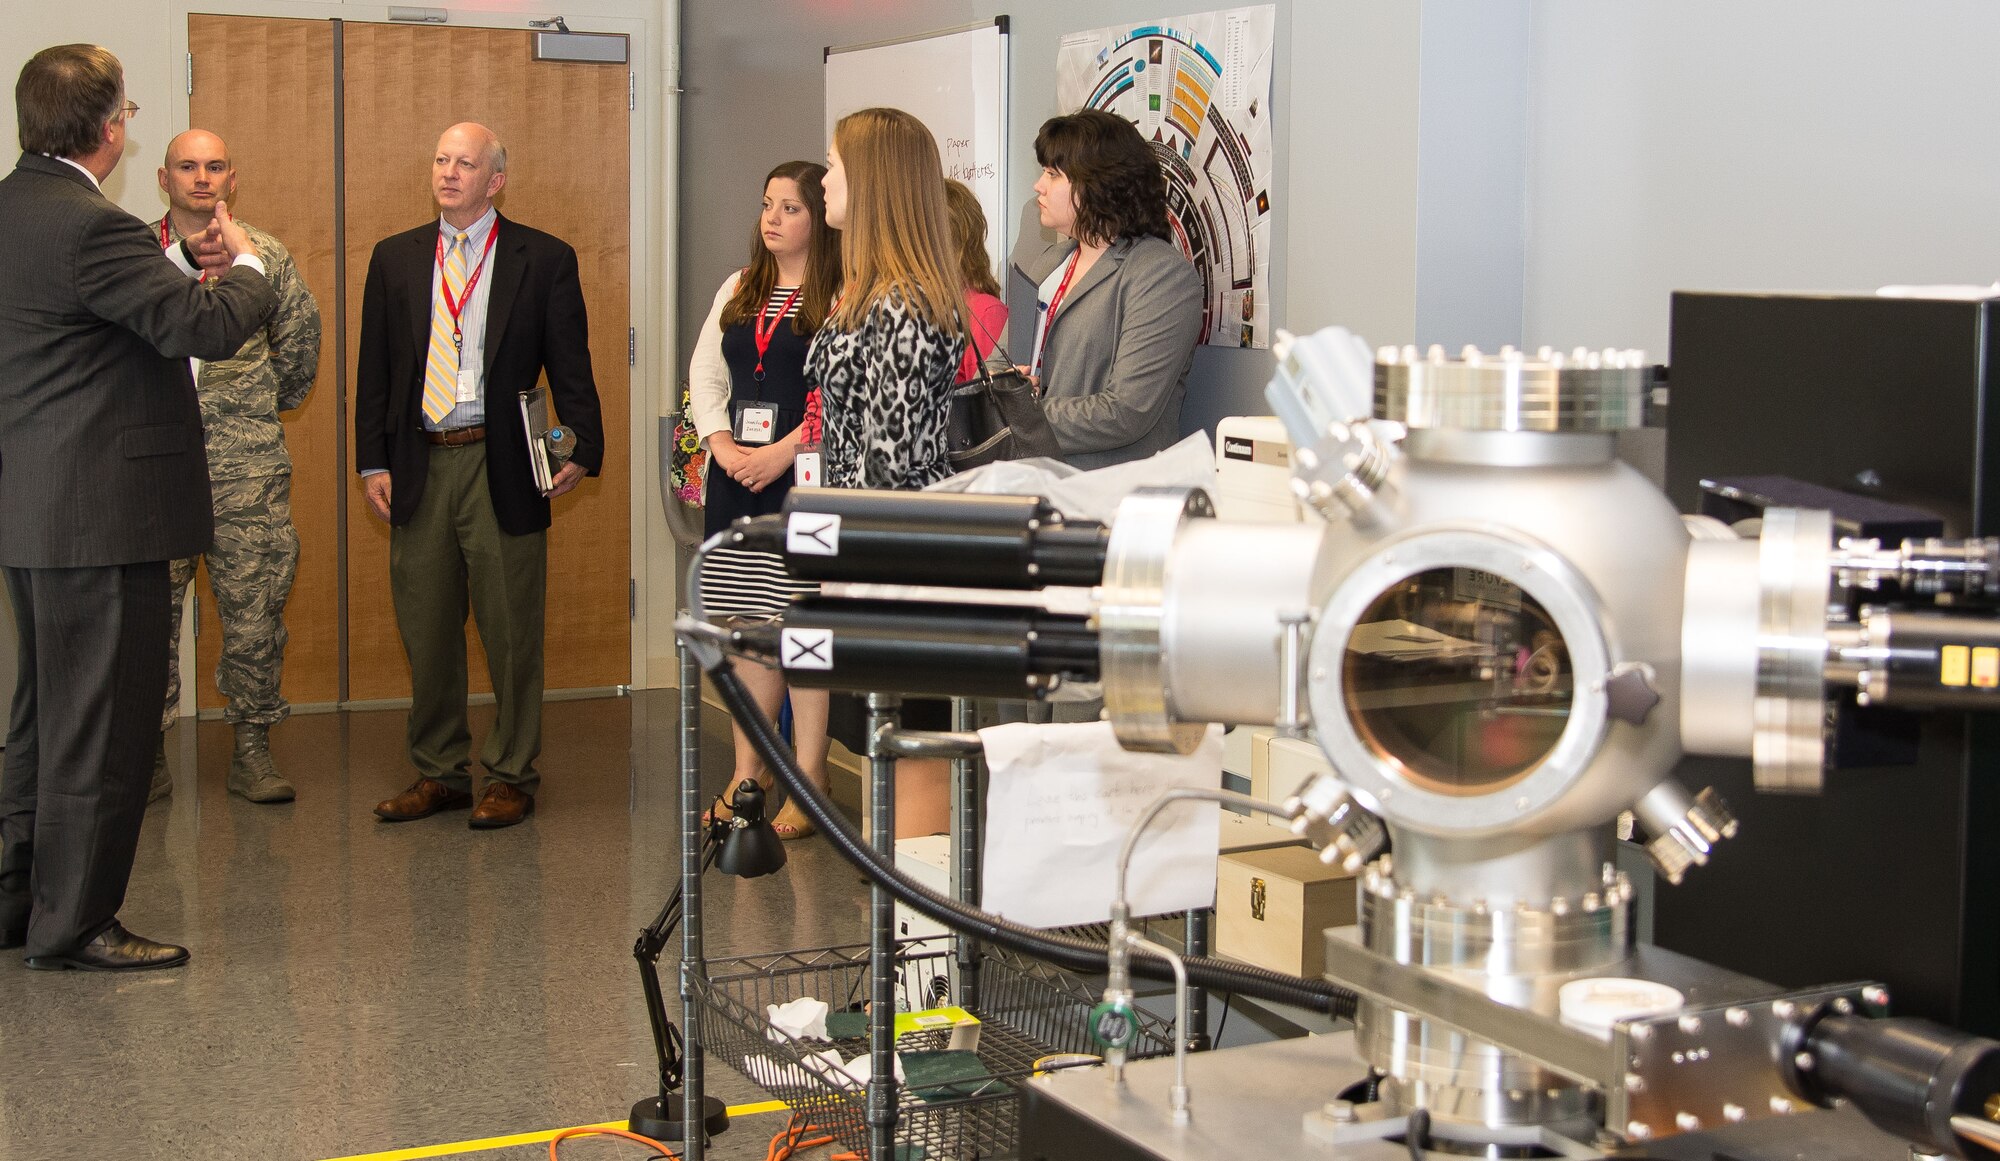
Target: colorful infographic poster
[(1199, 88)]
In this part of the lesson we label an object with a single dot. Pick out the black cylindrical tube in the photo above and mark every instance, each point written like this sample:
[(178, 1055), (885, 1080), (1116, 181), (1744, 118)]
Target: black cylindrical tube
[(1964, 570), (936, 649), (924, 538), (1936, 661), (1071, 554), (1062, 950), (1909, 1077)]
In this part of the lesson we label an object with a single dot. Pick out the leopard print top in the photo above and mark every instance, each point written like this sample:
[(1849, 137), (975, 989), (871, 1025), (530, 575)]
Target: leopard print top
[(885, 389)]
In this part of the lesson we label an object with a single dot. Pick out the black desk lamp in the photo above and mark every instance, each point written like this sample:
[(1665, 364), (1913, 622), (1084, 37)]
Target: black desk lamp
[(745, 846)]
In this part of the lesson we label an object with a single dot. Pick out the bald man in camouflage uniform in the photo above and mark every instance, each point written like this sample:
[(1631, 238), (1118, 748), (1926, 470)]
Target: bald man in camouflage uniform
[(256, 552)]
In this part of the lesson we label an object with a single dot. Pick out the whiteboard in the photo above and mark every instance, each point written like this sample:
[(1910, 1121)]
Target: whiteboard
[(955, 82)]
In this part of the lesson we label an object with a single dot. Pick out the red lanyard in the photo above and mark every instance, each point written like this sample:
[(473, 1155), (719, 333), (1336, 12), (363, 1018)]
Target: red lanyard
[(167, 243), (763, 334), (1055, 303), (465, 295)]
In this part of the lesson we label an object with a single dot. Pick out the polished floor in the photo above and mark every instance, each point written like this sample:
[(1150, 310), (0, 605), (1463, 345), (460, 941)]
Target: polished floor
[(359, 987)]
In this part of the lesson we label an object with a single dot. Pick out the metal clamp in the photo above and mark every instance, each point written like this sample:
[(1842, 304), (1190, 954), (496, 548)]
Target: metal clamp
[(1130, 613), (1794, 581)]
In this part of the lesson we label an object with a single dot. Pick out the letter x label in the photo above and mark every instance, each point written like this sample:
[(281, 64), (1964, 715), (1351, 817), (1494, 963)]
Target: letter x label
[(806, 648)]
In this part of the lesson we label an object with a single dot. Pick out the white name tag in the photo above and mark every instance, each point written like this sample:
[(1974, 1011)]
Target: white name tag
[(468, 386), (806, 648), (812, 534), (805, 469), (756, 425)]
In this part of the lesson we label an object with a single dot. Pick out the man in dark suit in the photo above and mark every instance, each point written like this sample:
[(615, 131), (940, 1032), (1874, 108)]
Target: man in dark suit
[(459, 318), (103, 480)]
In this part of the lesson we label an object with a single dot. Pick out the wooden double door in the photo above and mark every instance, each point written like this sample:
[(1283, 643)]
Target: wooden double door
[(332, 126)]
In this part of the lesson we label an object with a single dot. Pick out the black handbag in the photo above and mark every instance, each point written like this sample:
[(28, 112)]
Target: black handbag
[(996, 417)]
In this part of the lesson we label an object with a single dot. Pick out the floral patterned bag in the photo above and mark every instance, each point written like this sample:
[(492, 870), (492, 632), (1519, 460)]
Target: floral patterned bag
[(687, 460)]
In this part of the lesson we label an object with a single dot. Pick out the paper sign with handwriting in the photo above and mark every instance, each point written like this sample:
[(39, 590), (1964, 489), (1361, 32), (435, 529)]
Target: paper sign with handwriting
[(1058, 807)]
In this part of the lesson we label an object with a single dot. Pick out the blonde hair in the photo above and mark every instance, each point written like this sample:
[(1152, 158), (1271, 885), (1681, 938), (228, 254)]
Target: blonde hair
[(898, 234), (968, 228)]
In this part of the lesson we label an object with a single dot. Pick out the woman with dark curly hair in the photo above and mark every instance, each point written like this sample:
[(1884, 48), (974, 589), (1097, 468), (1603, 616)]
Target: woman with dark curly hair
[(1118, 310)]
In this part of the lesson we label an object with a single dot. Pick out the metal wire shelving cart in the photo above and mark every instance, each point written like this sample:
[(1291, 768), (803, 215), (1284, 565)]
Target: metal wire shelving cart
[(1027, 1009)]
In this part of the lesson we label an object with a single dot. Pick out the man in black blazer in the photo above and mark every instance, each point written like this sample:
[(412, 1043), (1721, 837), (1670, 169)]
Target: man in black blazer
[(103, 480), (459, 317)]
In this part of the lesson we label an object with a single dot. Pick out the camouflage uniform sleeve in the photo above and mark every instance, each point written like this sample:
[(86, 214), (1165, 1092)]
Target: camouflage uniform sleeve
[(293, 332)]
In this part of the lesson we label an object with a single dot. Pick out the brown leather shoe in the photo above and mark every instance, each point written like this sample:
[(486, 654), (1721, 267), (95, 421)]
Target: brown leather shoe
[(113, 950), (425, 797), (501, 805)]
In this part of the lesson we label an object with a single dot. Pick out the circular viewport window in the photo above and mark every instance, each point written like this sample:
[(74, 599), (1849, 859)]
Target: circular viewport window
[(1459, 679)]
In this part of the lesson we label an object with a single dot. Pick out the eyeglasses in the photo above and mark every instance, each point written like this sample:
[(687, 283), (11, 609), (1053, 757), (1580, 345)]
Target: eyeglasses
[(131, 110)]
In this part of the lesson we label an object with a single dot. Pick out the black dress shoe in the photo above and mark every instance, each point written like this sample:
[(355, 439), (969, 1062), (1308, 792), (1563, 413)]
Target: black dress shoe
[(114, 950)]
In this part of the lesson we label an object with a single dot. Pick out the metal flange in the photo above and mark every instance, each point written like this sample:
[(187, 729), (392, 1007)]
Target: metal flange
[(1582, 392), (1130, 613), (1794, 582)]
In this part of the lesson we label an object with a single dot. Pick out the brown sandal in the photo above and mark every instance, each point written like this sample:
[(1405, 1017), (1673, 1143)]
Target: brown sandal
[(792, 824)]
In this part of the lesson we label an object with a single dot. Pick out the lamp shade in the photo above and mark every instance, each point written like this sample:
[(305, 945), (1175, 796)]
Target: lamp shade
[(751, 848)]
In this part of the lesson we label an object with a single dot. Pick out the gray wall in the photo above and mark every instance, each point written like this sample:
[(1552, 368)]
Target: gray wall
[(1718, 144), (1472, 163)]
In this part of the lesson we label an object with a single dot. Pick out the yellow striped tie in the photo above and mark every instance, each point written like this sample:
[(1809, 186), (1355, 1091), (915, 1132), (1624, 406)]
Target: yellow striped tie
[(441, 373)]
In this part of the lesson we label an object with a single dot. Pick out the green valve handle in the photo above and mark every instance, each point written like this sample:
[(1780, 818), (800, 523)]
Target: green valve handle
[(1114, 1025)]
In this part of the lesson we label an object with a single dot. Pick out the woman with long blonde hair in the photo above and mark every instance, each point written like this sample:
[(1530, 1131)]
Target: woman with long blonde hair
[(887, 356), (885, 363)]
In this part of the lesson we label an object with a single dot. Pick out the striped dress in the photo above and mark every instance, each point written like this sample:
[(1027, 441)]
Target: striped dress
[(737, 583)]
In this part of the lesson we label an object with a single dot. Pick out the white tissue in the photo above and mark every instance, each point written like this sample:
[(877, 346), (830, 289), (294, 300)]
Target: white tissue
[(826, 1065), (862, 1067), (803, 1018)]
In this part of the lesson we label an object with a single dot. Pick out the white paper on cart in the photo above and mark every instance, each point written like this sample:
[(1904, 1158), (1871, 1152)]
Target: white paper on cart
[(1058, 806)]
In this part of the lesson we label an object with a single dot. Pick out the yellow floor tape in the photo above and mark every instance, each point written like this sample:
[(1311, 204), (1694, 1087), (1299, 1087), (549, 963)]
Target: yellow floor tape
[(486, 1144)]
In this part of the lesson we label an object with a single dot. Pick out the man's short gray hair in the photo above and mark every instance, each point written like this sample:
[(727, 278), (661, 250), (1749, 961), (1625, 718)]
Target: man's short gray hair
[(499, 154)]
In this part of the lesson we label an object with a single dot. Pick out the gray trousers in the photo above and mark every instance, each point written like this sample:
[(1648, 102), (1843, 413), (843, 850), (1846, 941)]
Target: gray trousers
[(452, 556), (79, 746)]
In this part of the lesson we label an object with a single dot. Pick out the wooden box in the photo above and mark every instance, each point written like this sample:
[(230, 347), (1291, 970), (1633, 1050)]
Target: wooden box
[(1272, 906)]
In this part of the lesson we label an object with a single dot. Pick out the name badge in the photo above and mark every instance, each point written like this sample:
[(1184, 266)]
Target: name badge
[(756, 423), (805, 467), (468, 386)]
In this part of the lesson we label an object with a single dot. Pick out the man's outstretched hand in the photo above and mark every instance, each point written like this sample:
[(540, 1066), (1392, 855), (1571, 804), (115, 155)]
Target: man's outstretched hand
[(216, 248)]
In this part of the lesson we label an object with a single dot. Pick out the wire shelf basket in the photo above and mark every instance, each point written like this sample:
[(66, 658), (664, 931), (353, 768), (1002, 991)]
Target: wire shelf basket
[(1027, 1010)]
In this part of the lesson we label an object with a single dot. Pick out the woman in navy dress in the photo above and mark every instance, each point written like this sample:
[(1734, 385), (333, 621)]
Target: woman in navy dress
[(747, 389)]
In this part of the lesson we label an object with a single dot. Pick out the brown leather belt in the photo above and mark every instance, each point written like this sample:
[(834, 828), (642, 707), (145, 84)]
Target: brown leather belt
[(456, 436)]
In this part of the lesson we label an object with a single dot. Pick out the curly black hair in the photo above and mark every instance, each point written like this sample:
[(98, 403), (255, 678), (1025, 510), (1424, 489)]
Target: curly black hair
[(1120, 189)]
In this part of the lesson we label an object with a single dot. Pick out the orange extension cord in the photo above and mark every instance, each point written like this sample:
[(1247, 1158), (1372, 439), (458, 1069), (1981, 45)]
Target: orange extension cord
[(792, 1138), (635, 1138)]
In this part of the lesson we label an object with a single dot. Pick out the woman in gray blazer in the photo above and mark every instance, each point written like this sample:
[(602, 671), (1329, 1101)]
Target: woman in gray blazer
[(1118, 309)]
